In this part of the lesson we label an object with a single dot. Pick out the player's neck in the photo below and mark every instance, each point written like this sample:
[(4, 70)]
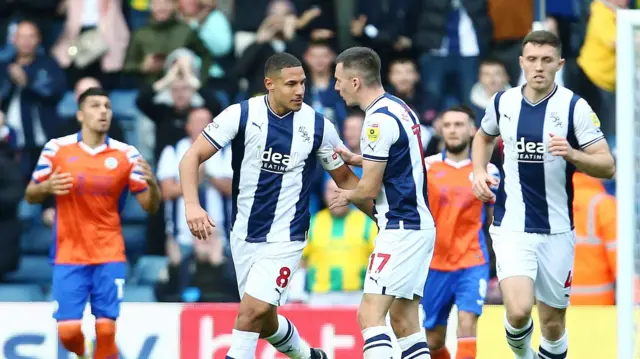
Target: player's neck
[(93, 139), (369, 95), (279, 110), (458, 157), (535, 96)]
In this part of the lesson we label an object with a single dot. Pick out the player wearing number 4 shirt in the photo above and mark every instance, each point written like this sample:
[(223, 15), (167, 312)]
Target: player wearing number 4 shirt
[(276, 141), (393, 174), (90, 174), (547, 131)]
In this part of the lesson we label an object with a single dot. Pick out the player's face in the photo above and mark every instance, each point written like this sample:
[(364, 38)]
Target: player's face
[(95, 113), (197, 122), (287, 90), (352, 129), (346, 85), (457, 131), (540, 64)]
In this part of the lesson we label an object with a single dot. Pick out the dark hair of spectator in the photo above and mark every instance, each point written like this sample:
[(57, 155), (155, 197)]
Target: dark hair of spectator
[(319, 43), (280, 61), (355, 112), (92, 91), (402, 60), (492, 61), (364, 60), (464, 109), (543, 37)]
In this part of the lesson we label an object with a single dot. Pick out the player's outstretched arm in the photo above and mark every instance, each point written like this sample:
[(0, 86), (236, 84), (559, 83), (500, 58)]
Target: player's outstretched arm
[(367, 189), (346, 179)]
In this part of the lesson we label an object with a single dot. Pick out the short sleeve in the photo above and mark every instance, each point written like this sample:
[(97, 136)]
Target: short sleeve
[(219, 166), (326, 154), (494, 172), (137, 184), (45, 166), (586, 125), (379, 132), (168, 164), (489, 122), (224, 127)]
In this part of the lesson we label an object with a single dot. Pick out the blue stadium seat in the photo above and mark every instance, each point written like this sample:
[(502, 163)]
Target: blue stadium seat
[(21, 293), (28, 211), (67, 107), (36, 239), (124, 103), (134, 240), (32, 269), (135, 293), (148, 269), (132, 211)]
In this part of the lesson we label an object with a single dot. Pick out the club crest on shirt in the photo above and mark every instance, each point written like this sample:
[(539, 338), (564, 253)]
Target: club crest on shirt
[(111, 163), (372, 132), (595, 119)]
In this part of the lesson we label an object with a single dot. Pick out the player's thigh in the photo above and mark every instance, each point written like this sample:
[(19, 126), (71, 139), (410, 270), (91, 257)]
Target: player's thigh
[(243, 254), (438, 298), (556, 254), (272, 270), (399, 263), (471, 289), (108, 289), (71, 286)]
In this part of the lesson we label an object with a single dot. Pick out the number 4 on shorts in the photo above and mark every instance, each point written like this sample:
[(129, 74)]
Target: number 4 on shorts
[(385, 258)]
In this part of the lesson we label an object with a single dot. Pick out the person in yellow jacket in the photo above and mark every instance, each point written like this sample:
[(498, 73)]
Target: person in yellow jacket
[(594, 217)]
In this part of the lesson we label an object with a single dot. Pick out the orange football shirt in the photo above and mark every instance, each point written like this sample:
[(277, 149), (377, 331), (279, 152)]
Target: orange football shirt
[(87, 227)]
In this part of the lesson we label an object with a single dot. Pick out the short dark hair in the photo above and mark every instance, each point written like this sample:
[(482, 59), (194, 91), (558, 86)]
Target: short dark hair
[(91, 91), (364, 60), (464, 109), (543, 37), (492, 61), (280, 61)]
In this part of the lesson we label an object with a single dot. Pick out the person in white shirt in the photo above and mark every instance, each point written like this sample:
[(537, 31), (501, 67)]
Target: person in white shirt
[(548, 132)]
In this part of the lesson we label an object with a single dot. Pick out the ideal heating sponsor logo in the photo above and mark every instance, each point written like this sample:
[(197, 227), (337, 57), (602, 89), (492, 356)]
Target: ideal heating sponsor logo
[(527, 151), (276, 162)]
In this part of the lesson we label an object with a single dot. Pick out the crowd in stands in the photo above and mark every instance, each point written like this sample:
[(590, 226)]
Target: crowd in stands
[(172, 65)]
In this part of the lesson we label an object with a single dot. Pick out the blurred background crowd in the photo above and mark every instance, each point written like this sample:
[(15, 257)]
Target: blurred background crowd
[(172, 65)]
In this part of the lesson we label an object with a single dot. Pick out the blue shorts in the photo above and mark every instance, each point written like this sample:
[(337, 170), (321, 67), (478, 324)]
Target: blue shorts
[(101, 284), (466, 288)]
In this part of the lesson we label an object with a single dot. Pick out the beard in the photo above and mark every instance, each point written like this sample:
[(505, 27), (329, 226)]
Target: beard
[(456, 149)]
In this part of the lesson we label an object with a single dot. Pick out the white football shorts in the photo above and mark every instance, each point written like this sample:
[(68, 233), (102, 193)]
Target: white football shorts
[(264, 270), (545, 258), (400, 262)]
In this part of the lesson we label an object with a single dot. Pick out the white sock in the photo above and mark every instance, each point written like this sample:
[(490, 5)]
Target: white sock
[(243, 345), (519, 339), (377, 343), (287, 340), (554, 350), (414, 346)]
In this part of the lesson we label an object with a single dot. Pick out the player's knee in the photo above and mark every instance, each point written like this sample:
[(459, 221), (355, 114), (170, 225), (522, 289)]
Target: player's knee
[(518, 315), (105, 329), (552, 328), (69, 331), (369, 316), (251, 317), (467, 324), (435, 339)]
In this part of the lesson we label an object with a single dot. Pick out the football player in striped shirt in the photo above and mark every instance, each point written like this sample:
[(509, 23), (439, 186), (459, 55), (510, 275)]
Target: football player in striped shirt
[(548, 132), (276, 141), (90, 176)]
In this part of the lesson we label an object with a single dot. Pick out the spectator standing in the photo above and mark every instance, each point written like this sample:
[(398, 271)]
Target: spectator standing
[(94, 41), (152, 45), (11, 193), (492, 78), (31, 85), (404, 79)]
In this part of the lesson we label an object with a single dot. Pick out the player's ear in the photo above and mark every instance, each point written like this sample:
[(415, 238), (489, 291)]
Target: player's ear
[(560, 63), (80, 116), (268, 84)]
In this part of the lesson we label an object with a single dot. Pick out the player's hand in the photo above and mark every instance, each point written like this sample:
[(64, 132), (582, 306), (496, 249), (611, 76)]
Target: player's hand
[(481, 186), (349, 157), (559, 146), (339, 198), (59, 183), (147, 173), (200, 224)]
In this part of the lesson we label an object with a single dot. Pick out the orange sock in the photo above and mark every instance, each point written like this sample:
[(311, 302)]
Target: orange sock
[(106, 347), (441, 353), (466, 348), (71, 337)]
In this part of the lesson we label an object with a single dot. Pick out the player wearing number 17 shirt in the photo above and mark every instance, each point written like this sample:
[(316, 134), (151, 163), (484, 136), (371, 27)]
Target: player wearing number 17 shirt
[(275, 142), (394, 175), (548, 132)]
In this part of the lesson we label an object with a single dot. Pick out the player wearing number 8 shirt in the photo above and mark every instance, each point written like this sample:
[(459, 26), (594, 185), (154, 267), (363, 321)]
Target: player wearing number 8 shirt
[(394, 175), (547, 131), (90, 174), (275, 142)]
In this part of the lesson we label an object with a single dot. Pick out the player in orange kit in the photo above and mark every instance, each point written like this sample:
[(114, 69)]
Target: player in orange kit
[(90, 174), (459, 269)]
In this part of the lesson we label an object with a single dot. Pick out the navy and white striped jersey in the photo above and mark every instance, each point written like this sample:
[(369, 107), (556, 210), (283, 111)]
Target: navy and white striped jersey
[(391, 134), (273, 159), (211, 199), (536, 195)]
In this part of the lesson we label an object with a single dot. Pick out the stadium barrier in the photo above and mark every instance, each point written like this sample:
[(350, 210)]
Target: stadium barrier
[(202, 331)]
